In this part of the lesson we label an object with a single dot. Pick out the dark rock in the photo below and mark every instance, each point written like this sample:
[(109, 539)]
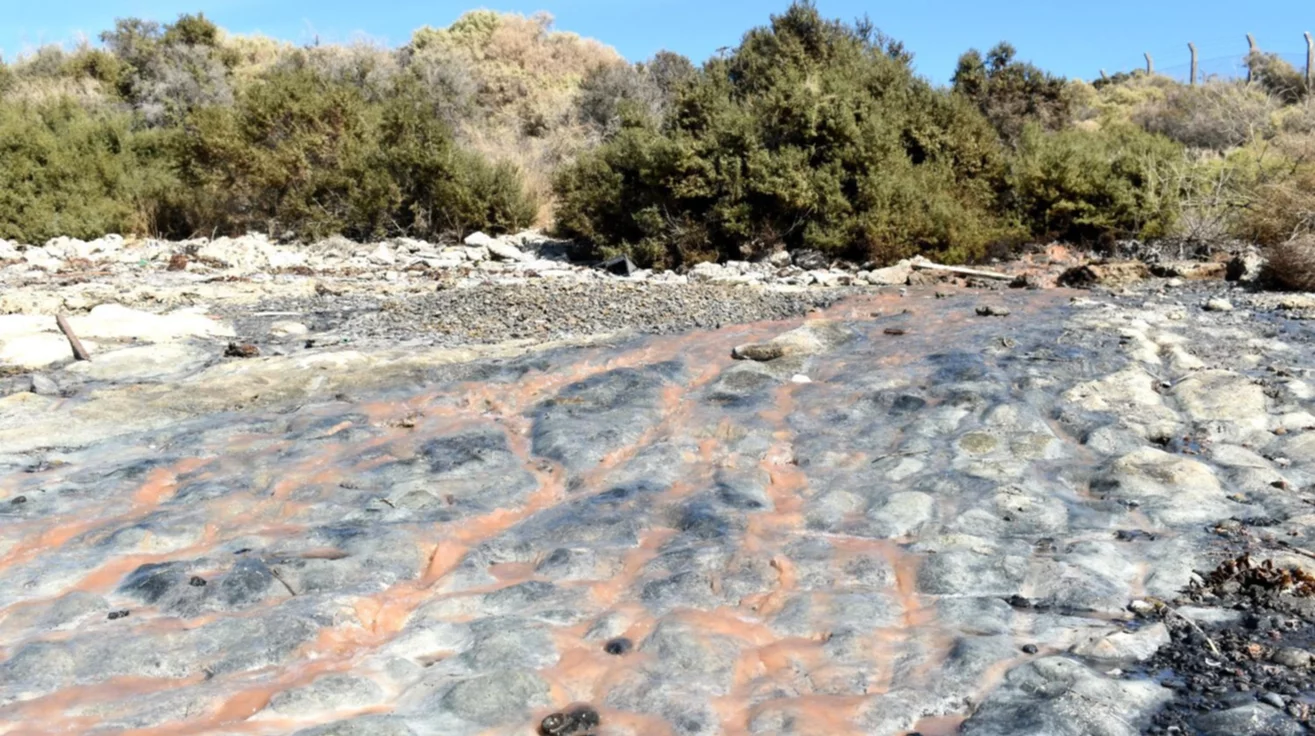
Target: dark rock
[(620, 265), (810, 260), (618, 646), (576, 721), (115, 615), (196, 582), (241, 350)]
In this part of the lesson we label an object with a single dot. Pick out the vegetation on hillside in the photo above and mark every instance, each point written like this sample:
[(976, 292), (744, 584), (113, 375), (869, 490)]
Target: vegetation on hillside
[(811, 133)]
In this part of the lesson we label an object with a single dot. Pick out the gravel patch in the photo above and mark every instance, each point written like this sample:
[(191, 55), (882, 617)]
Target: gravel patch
[(494, 313)]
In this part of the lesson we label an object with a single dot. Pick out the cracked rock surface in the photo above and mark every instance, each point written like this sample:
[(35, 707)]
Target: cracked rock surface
[(939, 530)]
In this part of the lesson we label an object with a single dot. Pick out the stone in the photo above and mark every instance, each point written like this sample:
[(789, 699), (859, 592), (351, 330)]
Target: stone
[(1190, 270), (1256, 719), (142, 363), (810, 260), (497, 699), (992, 310), (38, 351), (779, 258), (117, 322), (897, 275), (325, 695), (1218, 305), (1246, 266), (1136, 645), (1224, 396), (382, 255), (507, 252), (1291, 657), (43, 385), (1110, 275), (1057, 696), (620, 265), (1172, 489), (479, 240), (288, 328)]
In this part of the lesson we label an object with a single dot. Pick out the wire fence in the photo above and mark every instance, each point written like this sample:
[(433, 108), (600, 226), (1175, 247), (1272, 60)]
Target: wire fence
[(1222, 67)]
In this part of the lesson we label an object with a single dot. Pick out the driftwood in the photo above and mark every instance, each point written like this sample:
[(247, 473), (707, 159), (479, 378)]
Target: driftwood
[(79, 352), (971, 272)]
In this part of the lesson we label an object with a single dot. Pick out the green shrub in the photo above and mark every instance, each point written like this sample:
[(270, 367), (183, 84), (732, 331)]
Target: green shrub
[(69, 170), (811, 134), (302, 155), (1011, 93), (1090, 185)]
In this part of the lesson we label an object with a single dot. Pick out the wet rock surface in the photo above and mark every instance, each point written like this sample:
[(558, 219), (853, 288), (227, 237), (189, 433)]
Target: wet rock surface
[(950, 524)]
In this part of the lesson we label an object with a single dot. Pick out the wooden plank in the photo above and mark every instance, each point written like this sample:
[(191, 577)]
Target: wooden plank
[(972, 272), (79, 352)]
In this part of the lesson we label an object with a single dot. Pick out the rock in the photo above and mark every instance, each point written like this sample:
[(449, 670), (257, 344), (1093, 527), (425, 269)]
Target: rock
[(497, 699), (288, 329), (479, 240), (1246, 266), (897, 275), (1218, 305), (142, 363), (114, 321), (507, 252), (779, 258), (43, 385), (991, 310), (1190, 270), (809, 339), (250, 253), (178, 262), (39, 258), (1136, 645), (1256, 719), (576, 721), (241, 350), (1224, 397), (1291, 657), (810, 260), (382, 255), (325, 695), (1057, 696), (620, 265), (1111, 275), (1170, 488), (38, 351)]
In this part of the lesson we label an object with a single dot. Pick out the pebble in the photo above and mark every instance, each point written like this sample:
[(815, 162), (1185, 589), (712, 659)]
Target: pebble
[(1218, 305), (618, 646), (991, 310)]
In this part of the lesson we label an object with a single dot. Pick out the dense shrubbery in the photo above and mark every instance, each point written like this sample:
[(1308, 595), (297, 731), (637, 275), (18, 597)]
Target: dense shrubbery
[(810, 134)]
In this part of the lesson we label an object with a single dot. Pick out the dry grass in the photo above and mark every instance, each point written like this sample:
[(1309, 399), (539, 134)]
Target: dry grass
[(1292, 265)]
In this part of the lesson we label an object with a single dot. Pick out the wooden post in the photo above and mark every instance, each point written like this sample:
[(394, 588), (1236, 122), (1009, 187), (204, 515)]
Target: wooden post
[(79, 352), (1103, 75), (1150, 64), (1310, 62), (1192, 47), (1251, 53)]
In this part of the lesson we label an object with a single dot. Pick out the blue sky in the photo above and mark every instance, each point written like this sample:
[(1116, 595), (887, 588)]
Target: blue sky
[(1075, 39)]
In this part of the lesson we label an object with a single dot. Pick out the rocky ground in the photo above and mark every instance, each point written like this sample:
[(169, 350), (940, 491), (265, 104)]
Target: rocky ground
[(933, 508)]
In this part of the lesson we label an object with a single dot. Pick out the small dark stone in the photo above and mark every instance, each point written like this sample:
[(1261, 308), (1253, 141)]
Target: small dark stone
[(1029, 649), (197, 581), (236, 350), (178, 262), (115, 615), (577, 721), (895, 331), (242, 551), (19, 499), (618, 646)]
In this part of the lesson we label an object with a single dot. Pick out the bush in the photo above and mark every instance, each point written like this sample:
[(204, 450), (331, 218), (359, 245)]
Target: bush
[(69, 170), (1088, 186), (1277, 77), (812, 134), (303, 155), (1214, 115), (1012, 94), (1291, 265)]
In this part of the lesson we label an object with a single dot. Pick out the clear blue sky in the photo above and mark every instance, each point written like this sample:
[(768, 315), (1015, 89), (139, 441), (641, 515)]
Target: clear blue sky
[(1074, 39)]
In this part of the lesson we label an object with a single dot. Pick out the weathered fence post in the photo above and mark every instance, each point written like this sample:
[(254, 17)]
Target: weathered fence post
[(1150, 64), (1103, 75), (1192, 47), (1251, 53), (1310, 61)]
